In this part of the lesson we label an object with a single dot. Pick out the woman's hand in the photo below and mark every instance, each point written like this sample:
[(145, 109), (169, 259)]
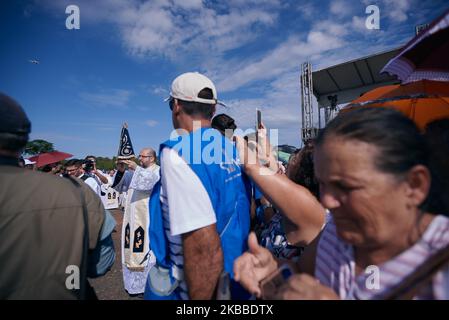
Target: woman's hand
[(247, 153), (304, 287), (265, 150), (253, 266)]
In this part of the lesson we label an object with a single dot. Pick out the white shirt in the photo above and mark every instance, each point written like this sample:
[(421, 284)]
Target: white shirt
[(92, 183), (186, 205), (189, 205)]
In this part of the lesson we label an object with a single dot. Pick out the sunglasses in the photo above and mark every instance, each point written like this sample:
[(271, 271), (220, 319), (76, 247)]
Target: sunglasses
[(171, 103)]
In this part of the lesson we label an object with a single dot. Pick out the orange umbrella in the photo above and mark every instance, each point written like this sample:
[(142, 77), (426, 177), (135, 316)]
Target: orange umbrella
[(423, 101)]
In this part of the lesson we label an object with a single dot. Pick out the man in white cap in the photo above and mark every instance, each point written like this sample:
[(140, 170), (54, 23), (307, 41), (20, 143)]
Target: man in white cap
[(204, 204)]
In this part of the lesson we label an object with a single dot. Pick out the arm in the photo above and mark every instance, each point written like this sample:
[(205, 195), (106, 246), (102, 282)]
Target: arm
[(192, 216), (258, 263), (144, 179), (294, 201), (101, 259), (93, 185), (253, 266), (101, 253), (102, 178), (203, 261)]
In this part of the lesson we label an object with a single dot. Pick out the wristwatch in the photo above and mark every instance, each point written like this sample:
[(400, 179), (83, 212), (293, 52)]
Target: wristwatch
[(265, 206)]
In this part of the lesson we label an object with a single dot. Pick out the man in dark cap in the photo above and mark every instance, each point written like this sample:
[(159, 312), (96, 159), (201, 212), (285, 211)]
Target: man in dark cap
[(53, 232), (225, 124)]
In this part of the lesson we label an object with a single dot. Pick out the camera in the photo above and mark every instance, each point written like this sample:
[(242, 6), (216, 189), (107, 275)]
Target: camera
[(89, 165)]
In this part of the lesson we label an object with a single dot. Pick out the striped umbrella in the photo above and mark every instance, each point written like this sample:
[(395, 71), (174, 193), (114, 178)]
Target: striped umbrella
[(426, 56)]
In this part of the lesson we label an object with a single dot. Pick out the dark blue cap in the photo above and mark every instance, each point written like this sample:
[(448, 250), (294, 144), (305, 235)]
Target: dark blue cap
[(12, 117)]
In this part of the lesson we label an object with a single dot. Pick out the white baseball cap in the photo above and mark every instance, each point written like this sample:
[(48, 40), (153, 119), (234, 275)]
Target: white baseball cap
[(188, 85)]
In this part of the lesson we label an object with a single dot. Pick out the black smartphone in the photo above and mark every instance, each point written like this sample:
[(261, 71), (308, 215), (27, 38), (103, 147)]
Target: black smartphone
[(258, 119)]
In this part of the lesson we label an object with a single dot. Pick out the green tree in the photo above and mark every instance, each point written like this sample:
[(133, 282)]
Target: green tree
[(105, 163), (38, 146)]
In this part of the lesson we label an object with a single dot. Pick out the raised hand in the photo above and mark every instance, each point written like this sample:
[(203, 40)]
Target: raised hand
[(304, 287), (253, 266)]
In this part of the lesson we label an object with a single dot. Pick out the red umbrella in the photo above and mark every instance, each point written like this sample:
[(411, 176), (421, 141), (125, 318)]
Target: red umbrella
[(49, 158)]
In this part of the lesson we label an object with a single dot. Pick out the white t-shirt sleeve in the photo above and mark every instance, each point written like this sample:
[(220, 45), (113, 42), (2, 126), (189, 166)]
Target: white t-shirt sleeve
[(93, 185), (189, 204)]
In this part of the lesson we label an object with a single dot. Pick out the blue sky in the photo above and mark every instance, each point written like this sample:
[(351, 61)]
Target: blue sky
[(119, 65)]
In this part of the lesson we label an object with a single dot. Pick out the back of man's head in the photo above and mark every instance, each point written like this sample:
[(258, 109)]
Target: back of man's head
[(223, 122), (196, 94), (74, 162), (198, 109), (14, 126)]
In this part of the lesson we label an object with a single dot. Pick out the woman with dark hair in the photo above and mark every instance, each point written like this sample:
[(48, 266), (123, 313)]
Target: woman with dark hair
[(437, 136), (370, 237), (225, 124)]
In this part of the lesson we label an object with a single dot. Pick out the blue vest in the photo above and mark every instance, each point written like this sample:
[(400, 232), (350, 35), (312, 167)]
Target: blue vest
[(213, 158)]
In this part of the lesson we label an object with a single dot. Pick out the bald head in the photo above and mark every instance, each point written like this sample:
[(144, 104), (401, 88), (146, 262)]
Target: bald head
[(147, 157)]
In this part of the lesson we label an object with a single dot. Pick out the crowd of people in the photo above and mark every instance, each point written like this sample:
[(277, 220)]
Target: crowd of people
[(360, 212)]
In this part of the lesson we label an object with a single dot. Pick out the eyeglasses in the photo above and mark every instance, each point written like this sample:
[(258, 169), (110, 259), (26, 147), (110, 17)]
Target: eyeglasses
[(142, 156), (171, 103)]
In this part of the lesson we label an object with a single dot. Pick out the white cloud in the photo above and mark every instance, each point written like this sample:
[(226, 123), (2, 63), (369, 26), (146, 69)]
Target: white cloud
[(107, 98), (204, 33), (159, 91), (358, 24), (163, 28), (331, 27), (282, 59), (397, 10), (340, 8), (151, 123), (189, 4), (279, 105), (307, 10)]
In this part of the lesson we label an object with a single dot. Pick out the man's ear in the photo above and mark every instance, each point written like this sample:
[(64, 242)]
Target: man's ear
[(418, 184), (176, 107)]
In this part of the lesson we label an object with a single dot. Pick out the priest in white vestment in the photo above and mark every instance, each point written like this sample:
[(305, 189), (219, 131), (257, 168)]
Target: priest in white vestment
[(138, 183)]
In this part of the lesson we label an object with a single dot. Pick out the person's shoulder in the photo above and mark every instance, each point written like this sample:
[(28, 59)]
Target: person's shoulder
[(48, 179), (91, 180), (437, 233), (170, 156)]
